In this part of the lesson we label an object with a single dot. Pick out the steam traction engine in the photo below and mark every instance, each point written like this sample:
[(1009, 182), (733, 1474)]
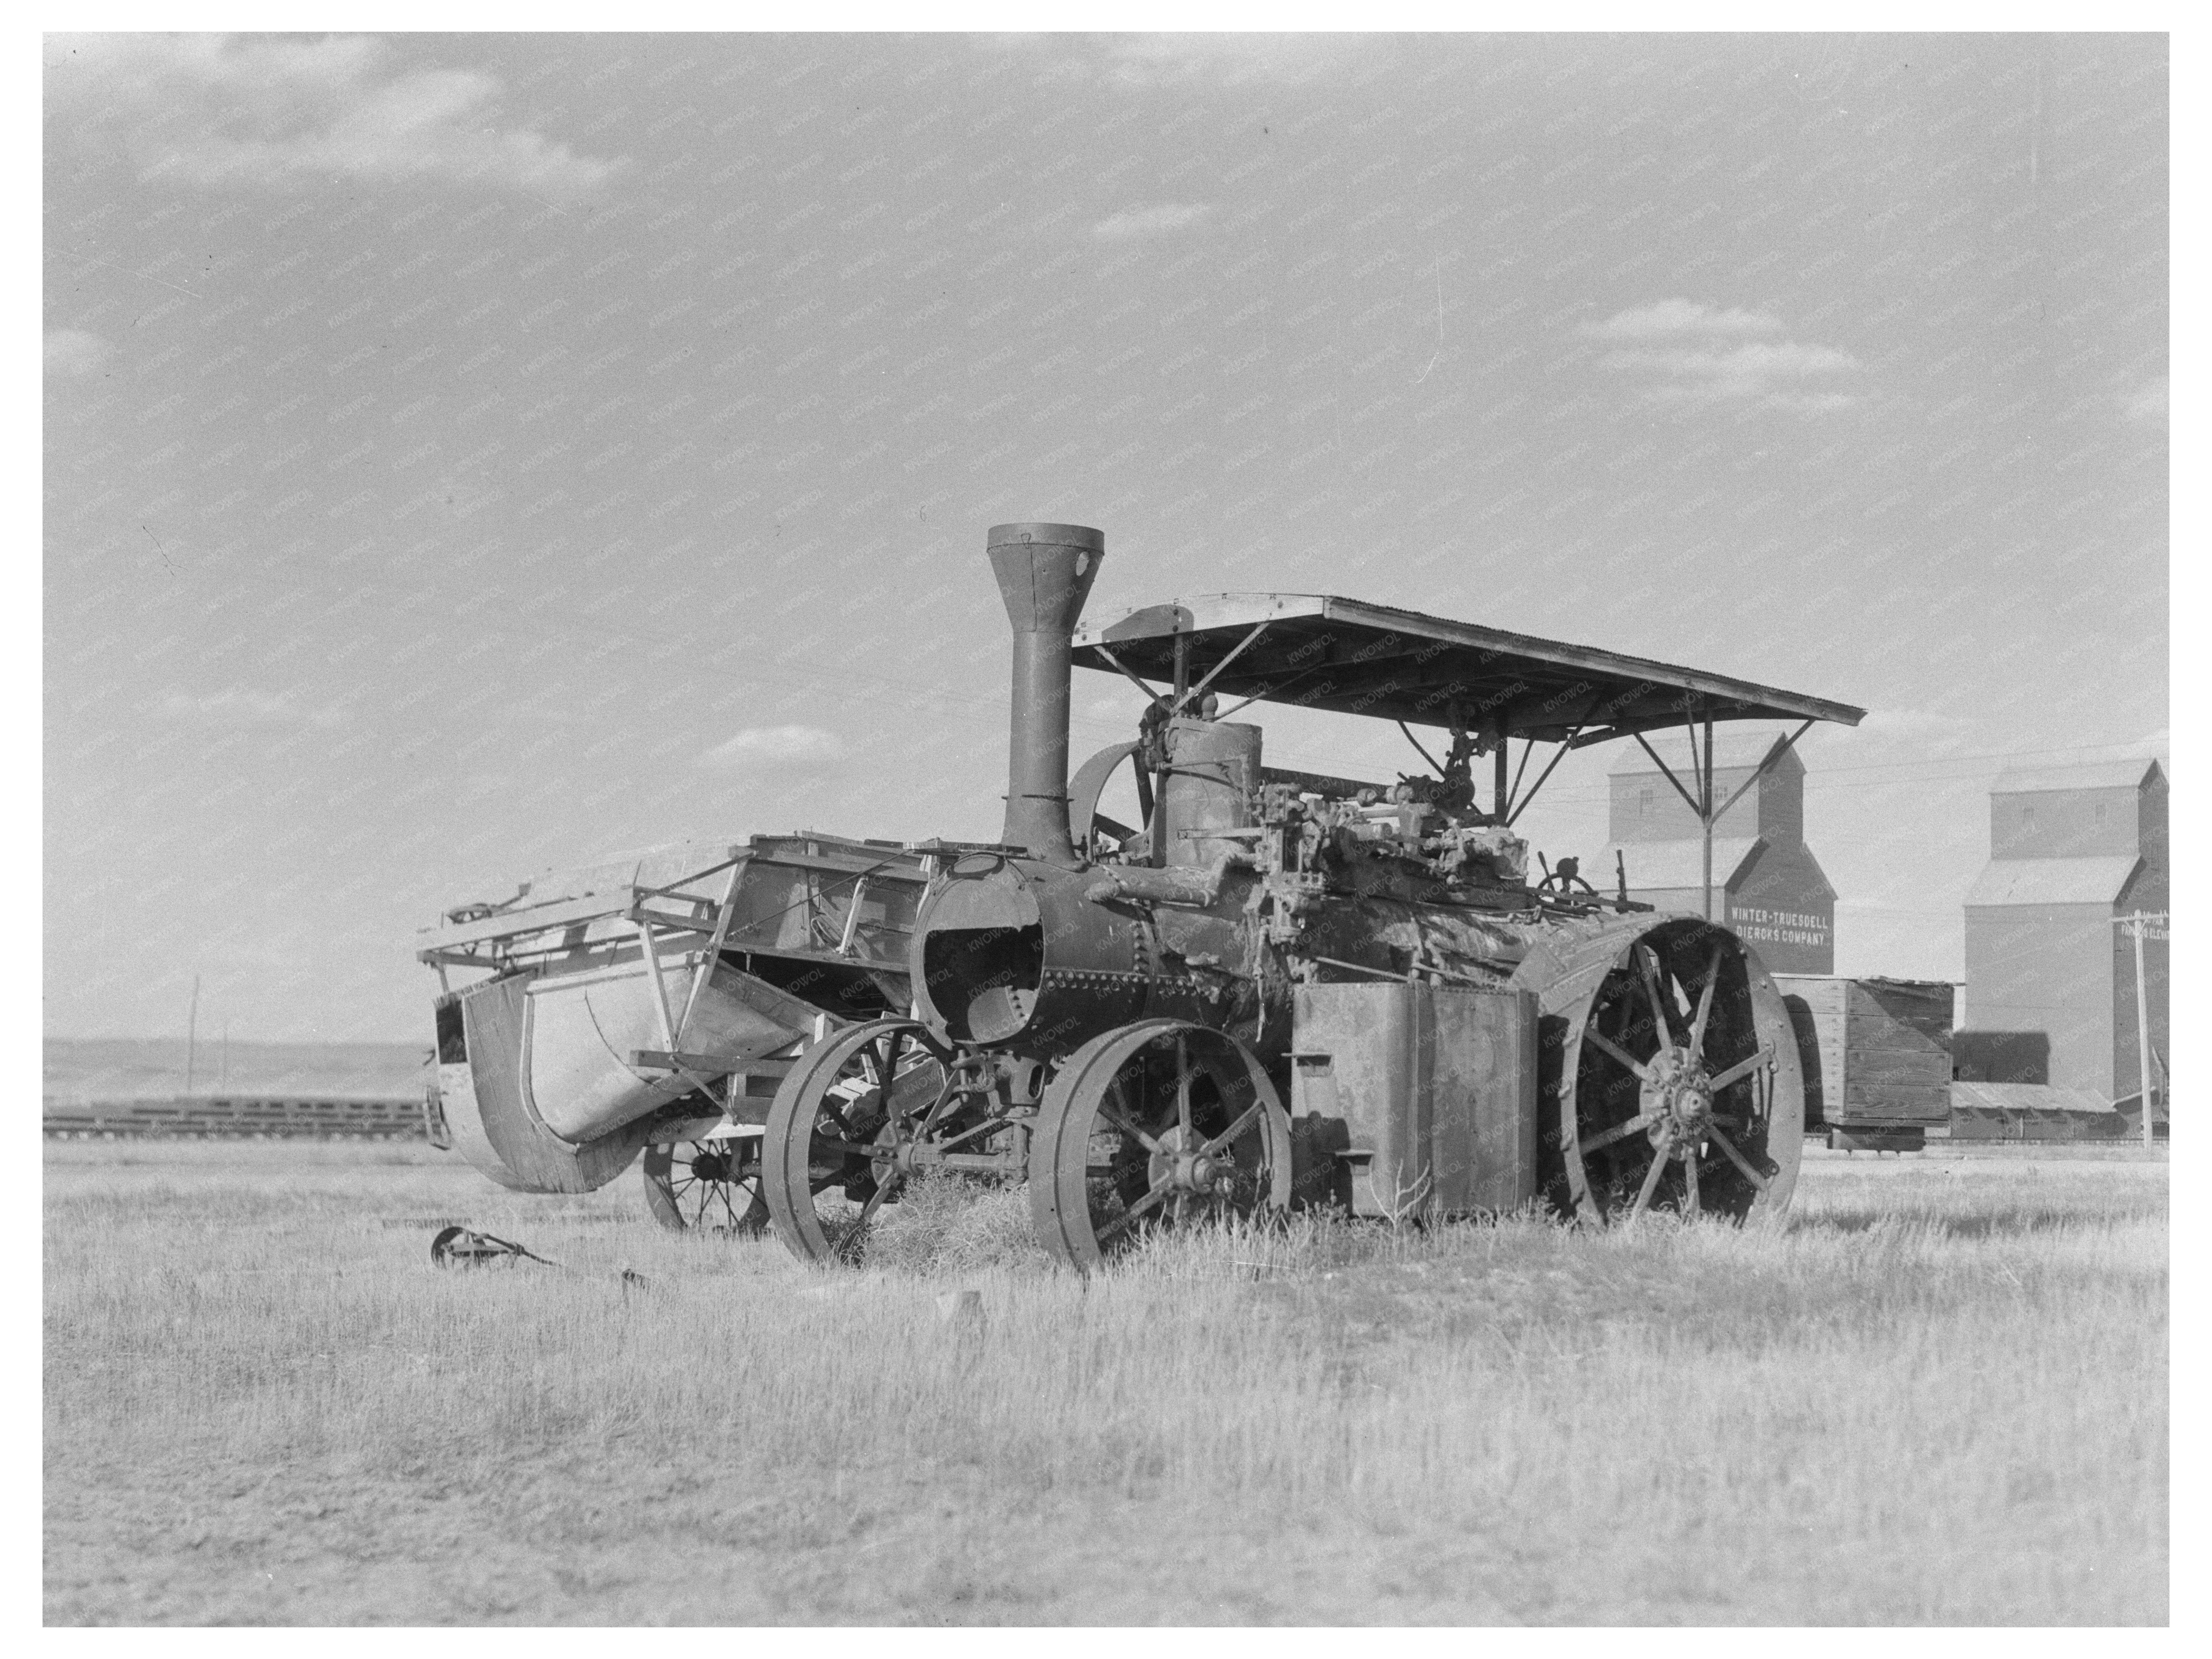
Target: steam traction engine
[(1278, 987)]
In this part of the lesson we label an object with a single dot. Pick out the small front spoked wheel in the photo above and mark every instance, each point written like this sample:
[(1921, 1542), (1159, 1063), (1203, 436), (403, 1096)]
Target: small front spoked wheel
[(707, 1186)]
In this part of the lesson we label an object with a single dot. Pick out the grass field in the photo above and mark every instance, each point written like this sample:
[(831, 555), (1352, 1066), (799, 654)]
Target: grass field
[(1938, 1395)]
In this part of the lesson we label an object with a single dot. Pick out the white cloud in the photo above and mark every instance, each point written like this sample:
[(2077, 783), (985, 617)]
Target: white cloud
[(1696, 353), (212, 109), (1679, 319), (239, 705), (786, 749), (1149, 222), (1231, 60), (2154, 745), (74, 351), (1920, 732), (1202, 62), (1909, 723), (2147, 404)]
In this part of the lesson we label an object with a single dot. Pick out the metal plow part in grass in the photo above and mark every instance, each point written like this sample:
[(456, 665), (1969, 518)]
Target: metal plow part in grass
[(464, 1247)]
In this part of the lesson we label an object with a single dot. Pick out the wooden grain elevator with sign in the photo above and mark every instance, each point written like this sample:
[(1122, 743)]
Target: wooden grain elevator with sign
[(1767, 885)]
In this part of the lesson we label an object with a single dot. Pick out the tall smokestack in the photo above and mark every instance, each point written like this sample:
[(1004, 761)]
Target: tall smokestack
[(1045, 572)]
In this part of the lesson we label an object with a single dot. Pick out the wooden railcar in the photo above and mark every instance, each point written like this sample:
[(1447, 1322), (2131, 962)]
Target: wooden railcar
[(1876, 1055)]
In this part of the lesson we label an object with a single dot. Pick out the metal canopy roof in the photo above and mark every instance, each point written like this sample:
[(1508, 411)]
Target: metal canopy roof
[(1318, 651)]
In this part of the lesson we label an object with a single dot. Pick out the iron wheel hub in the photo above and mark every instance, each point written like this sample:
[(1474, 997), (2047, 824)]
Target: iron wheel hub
[(1180, 1160), (1679, 1095)]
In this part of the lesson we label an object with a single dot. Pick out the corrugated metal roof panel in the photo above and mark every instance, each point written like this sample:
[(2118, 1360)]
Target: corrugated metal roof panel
[(2050, 881), (1671, 864), (2094, 774), (1320, 650)]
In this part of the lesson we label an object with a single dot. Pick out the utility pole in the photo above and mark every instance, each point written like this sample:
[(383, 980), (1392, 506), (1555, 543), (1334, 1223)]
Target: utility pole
[(191, 1033), (2138, 924)]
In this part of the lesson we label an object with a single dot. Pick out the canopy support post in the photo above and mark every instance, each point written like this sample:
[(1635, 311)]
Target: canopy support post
[(1589, 710), (1764, 768), (1128, 673), (1706, 811), (1199, 690), (1688, 799)]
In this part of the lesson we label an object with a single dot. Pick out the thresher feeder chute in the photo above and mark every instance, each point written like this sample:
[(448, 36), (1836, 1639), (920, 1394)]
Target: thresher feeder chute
[(1279, 988), (654, 1004)]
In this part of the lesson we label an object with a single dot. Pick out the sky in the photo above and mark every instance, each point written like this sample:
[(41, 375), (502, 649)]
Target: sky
[(466, 455)]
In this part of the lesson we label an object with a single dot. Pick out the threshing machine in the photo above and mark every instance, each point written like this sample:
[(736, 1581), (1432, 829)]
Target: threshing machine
[(652, 1004)]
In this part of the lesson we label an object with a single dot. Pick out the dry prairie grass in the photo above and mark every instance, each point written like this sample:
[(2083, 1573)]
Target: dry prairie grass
[(1937, 1396)]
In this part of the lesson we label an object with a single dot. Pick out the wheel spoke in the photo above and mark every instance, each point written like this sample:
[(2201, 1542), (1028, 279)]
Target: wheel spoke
[(1232, 1132), (1691, 1200), (1659, 1157), (889, 1184), (1619, 1131), (1183, 1090), (1647, 966), (1127, 1216), (1742, 1069), (1739, 1160), (1593, 1035), (1128, 1127), (946, 1094), (1705, 1002)]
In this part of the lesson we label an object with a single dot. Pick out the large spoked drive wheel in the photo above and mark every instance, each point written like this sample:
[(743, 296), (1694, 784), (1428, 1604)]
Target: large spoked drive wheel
[(708, 1186), (1682, 1076), (1161, 1124), (831, 1157)]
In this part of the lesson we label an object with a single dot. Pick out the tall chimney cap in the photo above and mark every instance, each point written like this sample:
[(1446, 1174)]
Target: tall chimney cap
[(1046, 535)]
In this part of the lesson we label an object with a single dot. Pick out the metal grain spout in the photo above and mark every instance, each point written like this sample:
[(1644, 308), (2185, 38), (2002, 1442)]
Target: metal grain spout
[(1045, 572)]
